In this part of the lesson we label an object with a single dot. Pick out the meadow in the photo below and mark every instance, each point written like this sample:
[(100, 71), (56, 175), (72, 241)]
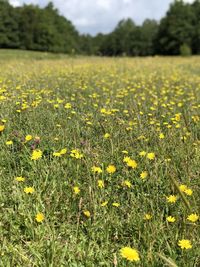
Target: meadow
[(99, 161)]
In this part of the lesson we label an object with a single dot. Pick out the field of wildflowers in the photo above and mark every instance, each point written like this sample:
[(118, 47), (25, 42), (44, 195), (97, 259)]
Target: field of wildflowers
[(99, 162)]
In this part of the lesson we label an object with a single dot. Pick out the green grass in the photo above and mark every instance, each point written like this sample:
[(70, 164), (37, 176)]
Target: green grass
[(134, 100)]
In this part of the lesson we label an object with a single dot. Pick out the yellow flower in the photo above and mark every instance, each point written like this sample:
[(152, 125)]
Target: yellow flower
[(144, 175), (185, 244), (111, 169), (76, 190), (29, 190), (28, 137), (171, 219), (147, 216), (115, 204), (151, 156), (193, 217), (68, 106), (56, 154), (172, 199), (188, 191), (86, 213), (2, 127), (96, 169), (107, 135), (63, 151), (143, 153), (101, 183), (126, 159), (132, 163), (130, 254), (39, 217), (104, 204), (36, 154), (161, 136), (182, 187), (9, 143), (127, 183), (19, 179), (75, 153)]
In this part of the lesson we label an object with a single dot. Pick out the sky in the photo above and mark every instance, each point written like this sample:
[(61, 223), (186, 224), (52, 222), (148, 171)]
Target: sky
[(94, 16)]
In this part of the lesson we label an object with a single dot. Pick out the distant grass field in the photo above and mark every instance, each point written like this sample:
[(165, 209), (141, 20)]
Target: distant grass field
[(99, 161)]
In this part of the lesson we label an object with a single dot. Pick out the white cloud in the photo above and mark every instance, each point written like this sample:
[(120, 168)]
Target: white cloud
[(92, 16)]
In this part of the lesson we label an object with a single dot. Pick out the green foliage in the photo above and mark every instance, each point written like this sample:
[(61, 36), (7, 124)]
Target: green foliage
[(44, 29), (185, 50)]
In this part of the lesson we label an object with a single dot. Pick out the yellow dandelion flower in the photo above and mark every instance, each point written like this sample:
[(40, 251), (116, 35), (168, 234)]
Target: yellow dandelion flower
[(115, 204), (161, 136), (56, 154), (144, 175), (127, 183), (29, 190), (39, 217), (185, 244), (63, 151), (101, 184), (188, 192), (19, 179), (96, 169), (76, 190), (86, 213), (182, 187), (147, 216), (151, 156), (9, 143), (171, 219), (130, 254), (143, 153), (28, 137), (193, 217), (111, 169), (132, 164), (36, 154), (107, 135), (2, 127), (103, 204), (172, 199)]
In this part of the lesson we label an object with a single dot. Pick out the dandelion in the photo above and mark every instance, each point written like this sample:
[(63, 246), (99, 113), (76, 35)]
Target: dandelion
[(143, 153), (76, 190), (29, 190), (115, 204), (28, 137), (193, 217), (147, 216), (188, 192), (9, 143), (151, 156), (182, 187), (132, 164), (105, 203), (36, 154), (172, 199), (171, 219), (19, 179), (185, 244), (2, 127), (107, 135), (86, 213), (127, 183), (39, 217), (101, 184), (63, 151), (144, 175), (96, 169), (130, 254), (75, 153), (56, 154), (111, 169), (161, 136)]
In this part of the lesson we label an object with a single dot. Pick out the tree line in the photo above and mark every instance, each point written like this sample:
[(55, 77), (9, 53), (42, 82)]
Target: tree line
[(44, 29)]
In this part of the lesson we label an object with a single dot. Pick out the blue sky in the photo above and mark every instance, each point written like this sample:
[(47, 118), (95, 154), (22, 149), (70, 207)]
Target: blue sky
[(93, 16)]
